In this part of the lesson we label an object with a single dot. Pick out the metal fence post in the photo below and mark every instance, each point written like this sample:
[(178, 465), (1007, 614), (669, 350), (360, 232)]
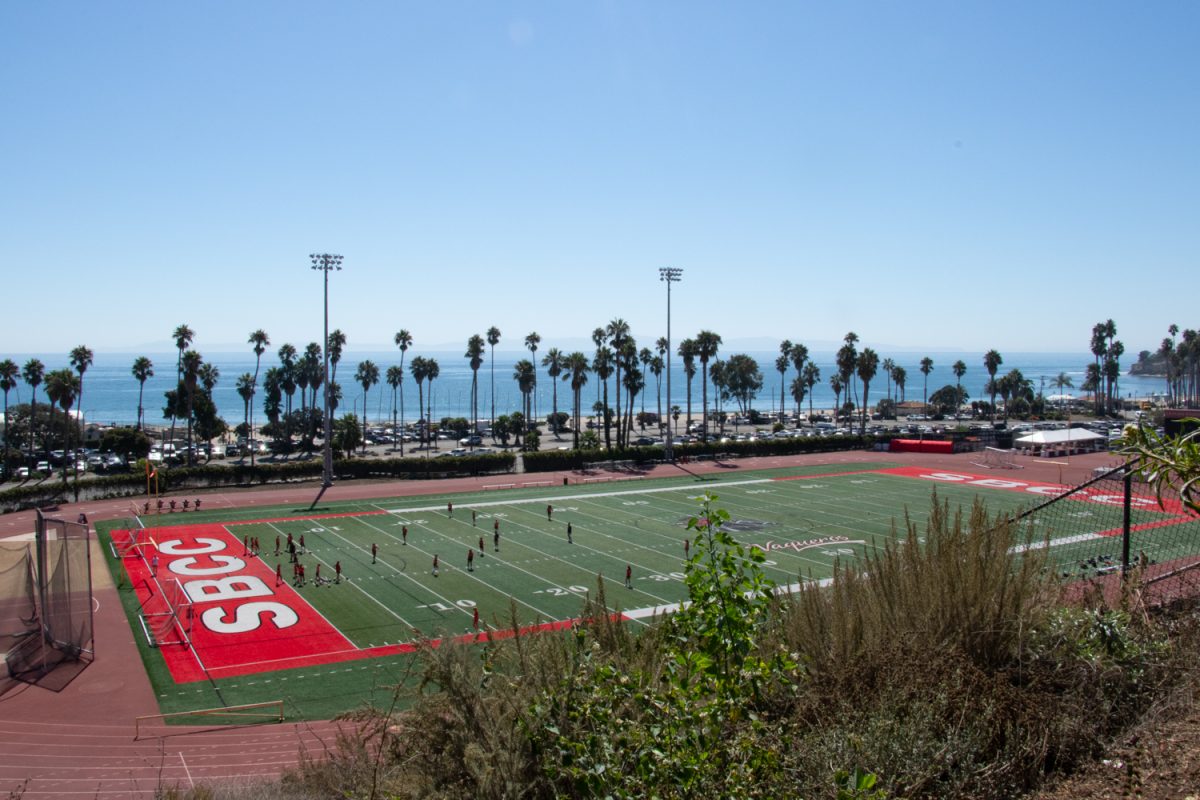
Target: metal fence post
[(1125, 523)]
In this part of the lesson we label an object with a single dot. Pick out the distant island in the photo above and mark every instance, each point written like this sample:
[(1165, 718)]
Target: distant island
[(1150, 365)]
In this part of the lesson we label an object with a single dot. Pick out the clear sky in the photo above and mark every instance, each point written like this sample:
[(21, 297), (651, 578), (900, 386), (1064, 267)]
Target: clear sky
[(929, 174)]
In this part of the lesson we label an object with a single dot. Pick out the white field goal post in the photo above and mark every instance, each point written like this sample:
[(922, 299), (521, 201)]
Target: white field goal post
[(995, 458), (171, 622)]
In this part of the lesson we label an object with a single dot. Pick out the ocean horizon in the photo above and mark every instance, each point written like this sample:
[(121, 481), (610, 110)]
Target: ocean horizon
[(110, 392)]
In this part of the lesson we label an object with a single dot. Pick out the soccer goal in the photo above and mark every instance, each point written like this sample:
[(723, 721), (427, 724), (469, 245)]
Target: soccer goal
[(995, 458), (170, 621)]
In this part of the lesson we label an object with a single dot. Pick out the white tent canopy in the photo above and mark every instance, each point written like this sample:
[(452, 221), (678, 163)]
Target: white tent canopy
[(1066, 436)]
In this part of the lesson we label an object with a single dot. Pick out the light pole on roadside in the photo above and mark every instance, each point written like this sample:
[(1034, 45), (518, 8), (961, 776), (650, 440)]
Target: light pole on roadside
[(669, 275), (326, 263)]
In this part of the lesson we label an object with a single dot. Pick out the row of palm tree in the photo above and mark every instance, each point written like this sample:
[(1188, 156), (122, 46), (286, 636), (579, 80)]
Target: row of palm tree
[(1180, 356)]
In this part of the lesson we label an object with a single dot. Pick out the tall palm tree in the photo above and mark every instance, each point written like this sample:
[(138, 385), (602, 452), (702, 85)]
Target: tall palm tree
[(618, 333), (287, 367), (799, 389), (645, 356), (245, 390), (1060, 382), (33, 372), (926, 368), (687, 352), (991, 362), (366, 376), (183, 336), (531, 344), (524, 374), (960, 369), (259, 341), (493, 339), (812, 376), (474, 355), (847, 362), (799, 356), (707, 344), (553, 361), (626, 360), (62, 387), (395, 376), (781, 365), (576, 366), (9, 373), (313, 368), (835, 383), (900, 378), (142, 370), (403, 339), (868, 364), (191, 374), (602, 365), (81, 359), (336, 345), (418, 369), (635, 382), (656, 369), (432, 370), (599, 337), (888, 366)]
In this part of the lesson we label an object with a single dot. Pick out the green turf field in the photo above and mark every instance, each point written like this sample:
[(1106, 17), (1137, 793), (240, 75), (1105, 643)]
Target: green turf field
[(807, 522)]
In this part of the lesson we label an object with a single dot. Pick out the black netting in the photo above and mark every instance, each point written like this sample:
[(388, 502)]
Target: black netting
[(18, 608)]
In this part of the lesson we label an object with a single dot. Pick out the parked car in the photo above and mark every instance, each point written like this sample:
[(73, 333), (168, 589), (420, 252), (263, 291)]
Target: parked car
[(474, 440), (44, 467), (22, 473)]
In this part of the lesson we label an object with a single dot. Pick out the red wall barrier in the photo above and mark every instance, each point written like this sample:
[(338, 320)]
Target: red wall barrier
[(921, 446)]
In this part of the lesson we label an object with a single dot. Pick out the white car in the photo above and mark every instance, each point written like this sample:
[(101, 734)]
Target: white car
[(22, 473)]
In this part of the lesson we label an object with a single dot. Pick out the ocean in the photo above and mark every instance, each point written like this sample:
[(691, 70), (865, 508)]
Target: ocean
[(110, 392)]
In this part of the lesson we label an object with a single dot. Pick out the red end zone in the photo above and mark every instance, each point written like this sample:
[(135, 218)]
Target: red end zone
[(241, 621)]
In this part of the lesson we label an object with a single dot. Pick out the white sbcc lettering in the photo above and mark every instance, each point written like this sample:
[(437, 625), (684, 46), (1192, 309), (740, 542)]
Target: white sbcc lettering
[(175, 547), (226, 589), (248, 617), (183, 566), (947, 476)]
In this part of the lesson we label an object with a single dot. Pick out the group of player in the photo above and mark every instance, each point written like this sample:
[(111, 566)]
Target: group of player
[(300, 575)]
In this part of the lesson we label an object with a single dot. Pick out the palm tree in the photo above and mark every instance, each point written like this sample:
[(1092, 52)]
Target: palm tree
[(475, 354), (209, 375), (191, 362), (599, 337), (926, 368), (781, 364), (553, 361), (799, 389), (493, 339), (525, 374), (635, 382), (707, 344), (81, 359), (1060, 382), (960, 369), (618, 332), (367, 376), (991, 362), (259, 342), (531, 344), (812, 376), (602, 365), (687, 352), (418, 369), (62, 387), (245, 389), (847, 362), (645, 356), (576, 368), (312, 369), (888, 366), (835, 383), (432, 370), (626, 359), (868, 364), (799, 356), (336, 344), (33, 372), (403, 339), (143, 370), (900, 378), (9, 372), (656, 369), (183, 336)]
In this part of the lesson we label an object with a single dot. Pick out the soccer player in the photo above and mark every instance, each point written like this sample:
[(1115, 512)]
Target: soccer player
[(154, 565), (278, 574), (687, 546), (628, 576), (569, 539), (549, 511), (470, 559), (472, 517), (404, 534), (292, 550), (276, 544), (449, 509), (435, 565), (303, 549), (319, 580), (374, 551), (245, 546), (496, 537), (475, 618), (481, 551), (337, 570)]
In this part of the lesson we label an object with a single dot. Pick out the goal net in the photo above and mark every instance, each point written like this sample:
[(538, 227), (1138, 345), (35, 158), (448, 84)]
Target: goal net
[(168, 616), (995, 458)]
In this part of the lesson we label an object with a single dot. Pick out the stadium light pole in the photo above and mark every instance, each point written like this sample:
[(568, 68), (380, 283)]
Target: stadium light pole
[(669, 275), (326, 263)]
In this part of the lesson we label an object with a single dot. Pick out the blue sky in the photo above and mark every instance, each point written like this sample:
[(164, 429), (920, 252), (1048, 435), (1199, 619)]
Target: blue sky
[(929, 175)]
